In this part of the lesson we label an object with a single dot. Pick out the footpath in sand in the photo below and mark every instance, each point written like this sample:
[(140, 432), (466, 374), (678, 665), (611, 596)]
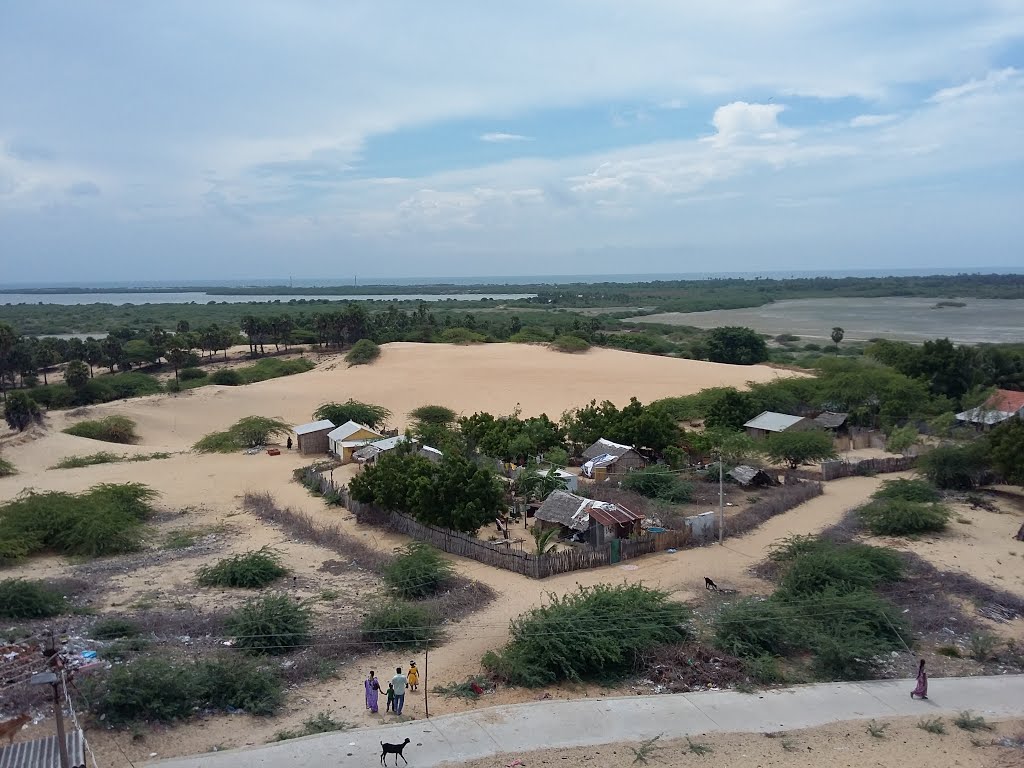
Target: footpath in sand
[(524, 728)]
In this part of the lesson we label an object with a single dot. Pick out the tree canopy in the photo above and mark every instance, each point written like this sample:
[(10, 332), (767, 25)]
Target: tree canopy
[(796, 448), (367, 414), (735, 345)]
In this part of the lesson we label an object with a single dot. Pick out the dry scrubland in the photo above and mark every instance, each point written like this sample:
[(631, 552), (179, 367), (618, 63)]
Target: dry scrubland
[(202, 496)]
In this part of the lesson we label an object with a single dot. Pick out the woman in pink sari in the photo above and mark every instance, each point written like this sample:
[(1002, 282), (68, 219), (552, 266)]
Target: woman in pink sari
[(922, 683), (372, 687)]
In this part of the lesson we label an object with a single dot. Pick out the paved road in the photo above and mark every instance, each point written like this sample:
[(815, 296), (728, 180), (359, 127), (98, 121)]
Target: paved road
[(526, 727)]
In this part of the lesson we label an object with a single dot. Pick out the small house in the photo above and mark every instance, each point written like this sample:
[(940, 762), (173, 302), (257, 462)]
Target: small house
[(594, 522), (833, 422), (763, 426), (370, 452), (350, 437), (751, 477), (1003, 405), (312, 437), (605, 457)]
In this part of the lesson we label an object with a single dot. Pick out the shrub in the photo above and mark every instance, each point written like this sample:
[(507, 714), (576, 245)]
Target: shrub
[(21, 411), (460, 336), (839, 568), (399, 626), (114, 628), (530, 335), (251, 570), (954, 467), (272, 624), (896, 517), (76, 462), (848, 629), (754, 628), (901, 439), (659, 482), (322, 722), (111, 429), (106, 519), (571, 344), (596, 633), (21, 599), (192, 374), (557, 456), (158, 690), (363, 352), (227, 377), (908, 490), (432, 414), (250, 432), (6, 468), (417, 570), (965, 721)]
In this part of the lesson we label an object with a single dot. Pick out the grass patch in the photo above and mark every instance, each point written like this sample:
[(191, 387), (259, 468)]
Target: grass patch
[(250, 570), (89, 460), (398, 625), (596, 633), (965, 721), (570, 344), (111, 429), (273, 624), (159, 690), (416, 571), (697, 748), (322, 722), (363, 352), (114, 628), (645, 750), (22, 599), (932, 725), (250, 432), (107, 519), (898, 517), (877, 730), (192, 374), (272, 368)]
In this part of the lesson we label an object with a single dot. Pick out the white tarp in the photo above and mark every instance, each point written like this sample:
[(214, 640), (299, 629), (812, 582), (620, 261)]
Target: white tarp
[(604, 460)]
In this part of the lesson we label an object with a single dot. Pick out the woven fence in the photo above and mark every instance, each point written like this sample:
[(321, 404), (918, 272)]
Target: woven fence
[(833, 470)]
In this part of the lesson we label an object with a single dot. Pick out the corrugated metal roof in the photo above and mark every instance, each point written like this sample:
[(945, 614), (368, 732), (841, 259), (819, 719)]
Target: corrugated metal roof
[(773, 422), (378, 447), (831, 420), (576, 512), (313, 426), (43, 753), (745, 475)]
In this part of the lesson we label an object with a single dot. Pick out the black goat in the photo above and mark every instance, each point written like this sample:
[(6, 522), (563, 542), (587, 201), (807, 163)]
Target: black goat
[(396, 749)]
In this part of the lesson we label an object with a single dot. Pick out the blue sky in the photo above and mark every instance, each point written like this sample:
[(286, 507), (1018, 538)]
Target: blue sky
[(251, 139)]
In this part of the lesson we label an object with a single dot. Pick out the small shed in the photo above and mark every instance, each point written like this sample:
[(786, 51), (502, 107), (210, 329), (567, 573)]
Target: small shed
[(312, 437), (370, 452), (586, 519), (751, 477), (350, 437), (832, 421), (604, 457), (764, 425)]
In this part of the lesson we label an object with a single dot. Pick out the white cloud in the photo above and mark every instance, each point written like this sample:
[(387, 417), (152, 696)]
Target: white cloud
[(501, 138), (870, 121), (989, 82), (741, 120)]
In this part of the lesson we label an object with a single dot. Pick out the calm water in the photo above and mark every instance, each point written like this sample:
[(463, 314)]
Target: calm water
[(202, 298)]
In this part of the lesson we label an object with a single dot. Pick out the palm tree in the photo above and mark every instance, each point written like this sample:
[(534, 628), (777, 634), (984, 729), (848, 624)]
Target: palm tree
[(543, 540), (837, 336)]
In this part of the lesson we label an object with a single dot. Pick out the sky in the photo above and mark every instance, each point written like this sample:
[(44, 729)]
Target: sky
[(249, 139)]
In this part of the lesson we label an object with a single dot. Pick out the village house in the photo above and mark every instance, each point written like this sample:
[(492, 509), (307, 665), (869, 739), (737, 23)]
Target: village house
[(370, 452), (312, 437), (605, 457), (751, 477), (1003, 405), (350, 437), (587, 520), (763, 426)]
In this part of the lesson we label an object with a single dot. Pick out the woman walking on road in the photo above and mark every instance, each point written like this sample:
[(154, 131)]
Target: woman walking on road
[(922, 683), (372, 687)]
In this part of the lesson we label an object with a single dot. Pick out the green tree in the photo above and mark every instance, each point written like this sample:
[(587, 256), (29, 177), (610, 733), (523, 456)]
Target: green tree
[(7, 369), (367, 414), (178, 358), (1006, 450), (732, 447), (837, 336), (545, 540), (735, 345), (955, 467), (728, 409), (76, 375), (21, 411), (901, 439), (796, 448), (458, 495)]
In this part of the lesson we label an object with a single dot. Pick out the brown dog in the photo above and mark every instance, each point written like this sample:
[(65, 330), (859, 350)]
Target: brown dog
[(8, 728)]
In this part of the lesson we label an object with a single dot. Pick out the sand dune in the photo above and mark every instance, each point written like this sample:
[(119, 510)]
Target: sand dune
[(491, 377)]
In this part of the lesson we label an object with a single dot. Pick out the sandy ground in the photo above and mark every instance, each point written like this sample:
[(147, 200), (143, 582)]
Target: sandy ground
[(204, 493), (846, 744)]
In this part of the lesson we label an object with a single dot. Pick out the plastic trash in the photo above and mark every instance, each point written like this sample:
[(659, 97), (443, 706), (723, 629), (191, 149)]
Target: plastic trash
[(88, 654)]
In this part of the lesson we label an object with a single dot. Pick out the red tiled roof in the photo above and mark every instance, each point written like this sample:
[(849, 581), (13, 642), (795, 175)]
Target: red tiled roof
[(1006, 400)]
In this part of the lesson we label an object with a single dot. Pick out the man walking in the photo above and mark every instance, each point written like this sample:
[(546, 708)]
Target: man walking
[(399, 681)]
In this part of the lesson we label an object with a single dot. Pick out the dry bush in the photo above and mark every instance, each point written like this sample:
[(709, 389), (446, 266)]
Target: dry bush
[(304, 527), (692, 667)]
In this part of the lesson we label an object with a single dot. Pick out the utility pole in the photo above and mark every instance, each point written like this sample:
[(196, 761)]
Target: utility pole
[(426, 667), (55, 678), (721, 501), (58, 712)]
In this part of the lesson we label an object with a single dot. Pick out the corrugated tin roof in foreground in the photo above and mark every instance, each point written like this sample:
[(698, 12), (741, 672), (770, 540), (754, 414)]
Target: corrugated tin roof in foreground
[(43, 753)]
